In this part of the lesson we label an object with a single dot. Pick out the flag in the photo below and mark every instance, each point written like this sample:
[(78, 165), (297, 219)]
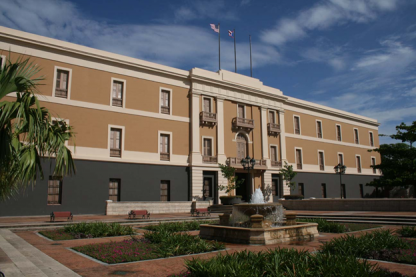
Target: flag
[(215, 28), (230, 33)]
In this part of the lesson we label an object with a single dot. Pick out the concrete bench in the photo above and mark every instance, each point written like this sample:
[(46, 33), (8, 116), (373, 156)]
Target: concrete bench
[(68, 215), (202, 211), (143, 213)]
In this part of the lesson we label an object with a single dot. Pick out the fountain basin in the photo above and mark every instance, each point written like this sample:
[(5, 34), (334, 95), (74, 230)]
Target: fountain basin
[(272, 213), (263, 236)]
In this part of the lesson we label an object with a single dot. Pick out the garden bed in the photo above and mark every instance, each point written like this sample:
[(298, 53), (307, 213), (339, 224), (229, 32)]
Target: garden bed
[(88, 230), (325, 226), (179, 226)]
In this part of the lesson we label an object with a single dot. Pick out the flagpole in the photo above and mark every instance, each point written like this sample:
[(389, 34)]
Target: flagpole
[(219, 48), (251, 63), (235, 53)]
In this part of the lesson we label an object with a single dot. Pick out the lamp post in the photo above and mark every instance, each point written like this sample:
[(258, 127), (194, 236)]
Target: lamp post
[(340, 169), (248, 163)]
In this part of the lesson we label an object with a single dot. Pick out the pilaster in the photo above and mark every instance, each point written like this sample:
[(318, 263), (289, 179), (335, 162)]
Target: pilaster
[(220, 131), (264, 138), (282, 136), (196, 153)]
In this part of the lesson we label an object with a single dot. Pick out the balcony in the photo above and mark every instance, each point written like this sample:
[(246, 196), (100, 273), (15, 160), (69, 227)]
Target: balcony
[(164, 156), (239, 122), (115, 153), (236, 162), (62, 93), (165, 109), (209, 159), (273, 128), (276, 163), (117, 102), (208, 118)]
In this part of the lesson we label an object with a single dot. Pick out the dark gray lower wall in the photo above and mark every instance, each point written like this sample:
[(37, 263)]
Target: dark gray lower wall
[(312, 184), (86, 192)]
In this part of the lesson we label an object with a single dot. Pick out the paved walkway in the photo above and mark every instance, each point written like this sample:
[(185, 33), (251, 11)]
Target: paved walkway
[(19, 258)]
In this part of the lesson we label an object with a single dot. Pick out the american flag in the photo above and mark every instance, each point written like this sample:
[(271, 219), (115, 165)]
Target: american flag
[(230, 33), (215, 28)]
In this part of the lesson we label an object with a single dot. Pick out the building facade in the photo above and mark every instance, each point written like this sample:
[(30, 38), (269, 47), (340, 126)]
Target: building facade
[(148, 132)]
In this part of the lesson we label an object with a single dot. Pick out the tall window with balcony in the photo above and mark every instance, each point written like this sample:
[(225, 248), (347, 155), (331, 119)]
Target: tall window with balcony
[(299, 159), (356, 139), (207, 114), (61, 85), (321, 161), (114, 190), (297, 125), (274, 156), (373, 163), (165, 102), (319, 129), (241, 111), (164, 147), (117, 97), (358, 163), (115, 142), (208, 157), (165, 191), (273, 127), (54, 190), (339, 135), (371, 139), (241, 122)]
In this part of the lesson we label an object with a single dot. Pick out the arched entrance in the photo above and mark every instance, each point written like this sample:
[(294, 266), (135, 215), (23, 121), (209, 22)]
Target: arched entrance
[(241, 146)]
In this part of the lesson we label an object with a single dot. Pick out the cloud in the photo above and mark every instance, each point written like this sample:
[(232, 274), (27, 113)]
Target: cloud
[(245, 2), (411, 92), (335, 57), (174, 45), (202, 9), (324, 15)]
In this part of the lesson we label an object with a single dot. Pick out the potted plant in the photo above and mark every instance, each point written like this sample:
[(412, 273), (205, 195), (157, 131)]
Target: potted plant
[(233, 182)]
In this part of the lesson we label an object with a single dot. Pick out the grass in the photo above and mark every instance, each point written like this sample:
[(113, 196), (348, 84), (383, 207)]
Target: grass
[(179, 226), (88, 230), (334, 227), (407, 231)]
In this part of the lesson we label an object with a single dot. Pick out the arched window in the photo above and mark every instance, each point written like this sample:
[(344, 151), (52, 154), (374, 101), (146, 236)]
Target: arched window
[(241, 146)]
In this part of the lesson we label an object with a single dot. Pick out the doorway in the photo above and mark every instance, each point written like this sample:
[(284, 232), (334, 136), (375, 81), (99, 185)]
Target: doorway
[(210, 186), (244, 188), (241, 147)]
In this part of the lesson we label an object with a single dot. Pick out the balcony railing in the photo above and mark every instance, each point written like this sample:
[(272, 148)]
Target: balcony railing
[(297, 131), (339, 138), (164, 156), (239, 122), (276, 163), (299, 166), (165, 109), (63, 93), (115, 153), (209, 159), (321, 167), (273, 128), (207, 117), (117, 102), (236, 162), (319, 135)]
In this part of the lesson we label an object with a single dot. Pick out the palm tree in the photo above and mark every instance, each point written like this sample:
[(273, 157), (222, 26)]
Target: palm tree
[(27, 132)]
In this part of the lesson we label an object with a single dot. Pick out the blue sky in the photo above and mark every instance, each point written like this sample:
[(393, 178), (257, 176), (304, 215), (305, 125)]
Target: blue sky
[(355, 55)]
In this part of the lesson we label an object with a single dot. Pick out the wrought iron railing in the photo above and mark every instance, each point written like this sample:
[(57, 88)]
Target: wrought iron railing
[(207, 117), (209, 159)]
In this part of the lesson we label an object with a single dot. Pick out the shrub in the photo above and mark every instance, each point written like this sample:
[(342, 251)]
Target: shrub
[(179, 226), (325, 226), (98, 229), (293, 197), (407, 231)]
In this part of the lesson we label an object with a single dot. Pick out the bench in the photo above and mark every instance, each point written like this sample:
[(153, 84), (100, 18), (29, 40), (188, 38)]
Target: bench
[(202, 211), (143, 213), (54, 215)]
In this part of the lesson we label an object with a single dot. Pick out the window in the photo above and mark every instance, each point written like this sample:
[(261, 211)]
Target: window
[(343, 191), (118, 93), (319, 129), (207, 105), (301, 189), (361, 191), (358, 162), (339, 135), (321, 161), (164, 147), (373, 162), (165, 101), (165, 191), (356, 140), (271, 117), (323, 189), (207, 147), (241, 111), (54, 190), (273, 154), (341, 159), (115, 143), (371, 139), (299, 158), (61, 85), (114, 190), (297, 125), (275, 187)]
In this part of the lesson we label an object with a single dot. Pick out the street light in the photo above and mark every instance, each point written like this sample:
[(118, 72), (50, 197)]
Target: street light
[(340, 169), (248, 163)]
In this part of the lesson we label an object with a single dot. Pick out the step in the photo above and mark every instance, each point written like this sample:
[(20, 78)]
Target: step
[(361, 218)]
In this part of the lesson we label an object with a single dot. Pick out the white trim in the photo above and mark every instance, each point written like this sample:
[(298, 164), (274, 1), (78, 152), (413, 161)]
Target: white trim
[(213, 152), (323, 158), (336, 132), (123, 137), (301, 155), (124, 91), (274, 115), (245, 112), (358, 136), (69, 81), (369, 138), (3, 60), (294, 125), (322, 128), (361, 164), (61, 119), (343, 160), (329, 141), (170, 99), (211, 99), (371, 163), (170, 143), (277, 152), (244, 133)]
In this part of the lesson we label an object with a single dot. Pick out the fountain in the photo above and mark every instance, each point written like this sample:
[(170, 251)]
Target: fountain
[(258, 222)]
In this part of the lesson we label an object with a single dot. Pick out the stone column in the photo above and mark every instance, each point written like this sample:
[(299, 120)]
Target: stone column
[(196, 153), (220, 131)]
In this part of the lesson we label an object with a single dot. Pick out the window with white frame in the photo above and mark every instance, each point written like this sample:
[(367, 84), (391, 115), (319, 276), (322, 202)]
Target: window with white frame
[(339, 134), (371, 139), (319, 129), (115, 142), (356, 138), (114, 190), (241, 109), (118, 93), (272, 117), (373, 163), (62, 83), (54, 190), (358, 163), (2, 61), (321, 160), (165, 96), (297, 124), (207, 147), (299, 158), (273, 153), (164, 147)]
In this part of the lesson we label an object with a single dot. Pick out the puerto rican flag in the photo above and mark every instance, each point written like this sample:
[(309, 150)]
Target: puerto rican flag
[(231, 33), (215, 28)]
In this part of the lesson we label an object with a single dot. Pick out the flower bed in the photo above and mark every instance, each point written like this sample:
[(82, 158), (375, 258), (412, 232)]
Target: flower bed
[(334, 227), (179, 226), (88, 230)]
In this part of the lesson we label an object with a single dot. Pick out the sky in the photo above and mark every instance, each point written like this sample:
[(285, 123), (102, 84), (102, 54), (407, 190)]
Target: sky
[(354, 55)]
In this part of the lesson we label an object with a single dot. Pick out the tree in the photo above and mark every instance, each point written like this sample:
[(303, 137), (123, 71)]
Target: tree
[(233, 182), (288, 174), (27, 133), (398, 161)]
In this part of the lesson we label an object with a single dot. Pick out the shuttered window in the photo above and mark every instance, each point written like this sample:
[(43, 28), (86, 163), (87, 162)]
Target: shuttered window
[(339, 137), (241, 112), (358, 158), (118, 88), (61, 88), (165, 191), (165, 101), (207, 147), (319, 129), (115, 142), (299, 158), (271, 117), (273, 153), (321, 161), (54, 190), (114, 190), (371, 139), (297, 125), (207, 105), (164, 147), (357, 141)]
